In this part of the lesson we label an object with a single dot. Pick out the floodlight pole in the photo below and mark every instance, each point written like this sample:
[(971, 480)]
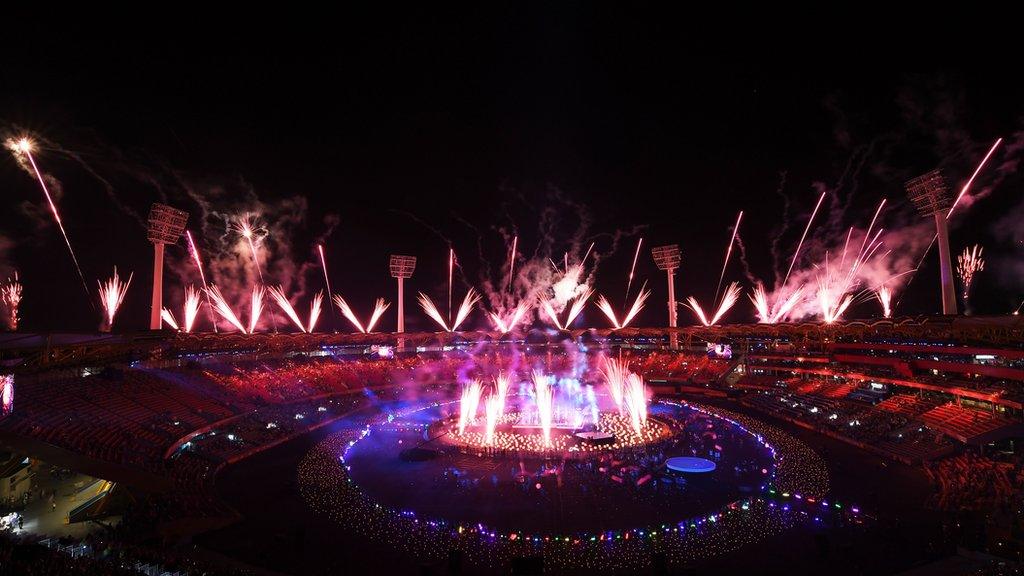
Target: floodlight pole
[(931, 197), (401, 304), (667, 258), (402, 267), (166, 224)]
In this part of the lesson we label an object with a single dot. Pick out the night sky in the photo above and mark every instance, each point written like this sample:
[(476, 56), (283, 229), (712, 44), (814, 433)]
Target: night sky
[(405, 137)]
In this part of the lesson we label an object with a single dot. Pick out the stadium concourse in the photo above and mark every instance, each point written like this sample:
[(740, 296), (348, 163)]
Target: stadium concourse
[(167, 447)]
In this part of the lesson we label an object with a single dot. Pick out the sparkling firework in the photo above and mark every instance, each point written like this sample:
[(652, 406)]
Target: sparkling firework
[(244, 226), (508, 323), (803, 237), (314, 310), (202, 275), (502, 383), (468, 403), (111, 296), (255, 307), (512, 263), (168, 319), (282, 302), (638, 304), (378, 310), (544, 397), (10, 300), (729, 298), (222, 307), (574, 309), (24, 146), (968, 264), (632, 268), (973, 176), (635, 399), (614, 372), (884, 296), (765, 313), (492, 410), (728, 252), (468, 302)]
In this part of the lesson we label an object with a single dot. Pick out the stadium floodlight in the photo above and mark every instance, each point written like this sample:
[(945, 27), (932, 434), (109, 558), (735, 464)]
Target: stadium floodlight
[(667, 258), (402, 267), (932, 197), (166, 224)]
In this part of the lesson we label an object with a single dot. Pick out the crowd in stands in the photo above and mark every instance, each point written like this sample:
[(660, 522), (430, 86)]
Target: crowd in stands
[(969, 481)]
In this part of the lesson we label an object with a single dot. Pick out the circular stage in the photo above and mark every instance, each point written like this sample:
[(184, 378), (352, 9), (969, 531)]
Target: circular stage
[(690, 465)]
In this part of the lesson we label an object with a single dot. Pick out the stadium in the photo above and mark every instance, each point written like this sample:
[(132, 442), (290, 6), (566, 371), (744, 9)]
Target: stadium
[(823, 441)]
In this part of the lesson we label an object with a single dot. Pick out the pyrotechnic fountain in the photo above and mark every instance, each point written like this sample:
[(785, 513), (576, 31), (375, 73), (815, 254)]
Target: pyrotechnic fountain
[(379, 307), (544, 399), (111, 296), (884, 296), (10, 299), (969, 263), (469, 403)]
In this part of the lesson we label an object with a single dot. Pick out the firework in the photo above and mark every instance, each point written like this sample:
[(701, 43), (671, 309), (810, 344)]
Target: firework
[(202, 276), (111, 296), (574, 309), (314, 310), (802, 237), (632, 268), (24, 146), (614, 372), (468, 403), (492, 410), (973, 176), (635, 399), (10, 300), (544, 398), (512, 263), (255, 307), (378, 310), (502, 383), (222, 307), (728, 252), (465, 308), (508, 323), (729, 298), (168, 319), (6, 394), (968, 264), (244, 226), (765, 314), (884, 296), (638, 304), (282, 302)]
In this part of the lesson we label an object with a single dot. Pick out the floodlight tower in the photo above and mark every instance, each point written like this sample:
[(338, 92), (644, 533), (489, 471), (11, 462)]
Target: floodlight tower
[(402, 267), (932, 198), (667, 258), (165, 227)]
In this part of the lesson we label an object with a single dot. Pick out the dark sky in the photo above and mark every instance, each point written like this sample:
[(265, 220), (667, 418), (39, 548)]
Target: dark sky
[(413, 133)]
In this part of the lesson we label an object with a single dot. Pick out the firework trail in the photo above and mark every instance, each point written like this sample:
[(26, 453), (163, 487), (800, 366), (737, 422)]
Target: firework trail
[(728, 252), (884, 296), (544, 398), (168, 319), (574, 309), (282, 302), (323, 266), (24, 146), (468, 302), (111, 296), (614, 372), (508, 323), (973, 176), (10, 300), (468, 403), (451, 279), (378, 310), (222, 307), (632, 268), (244, 227), (202, 276), (968, 264), (512, 264), (638, 304), (314, 310), (803, 237), (634, 395), (729, 298), (255, 307)]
